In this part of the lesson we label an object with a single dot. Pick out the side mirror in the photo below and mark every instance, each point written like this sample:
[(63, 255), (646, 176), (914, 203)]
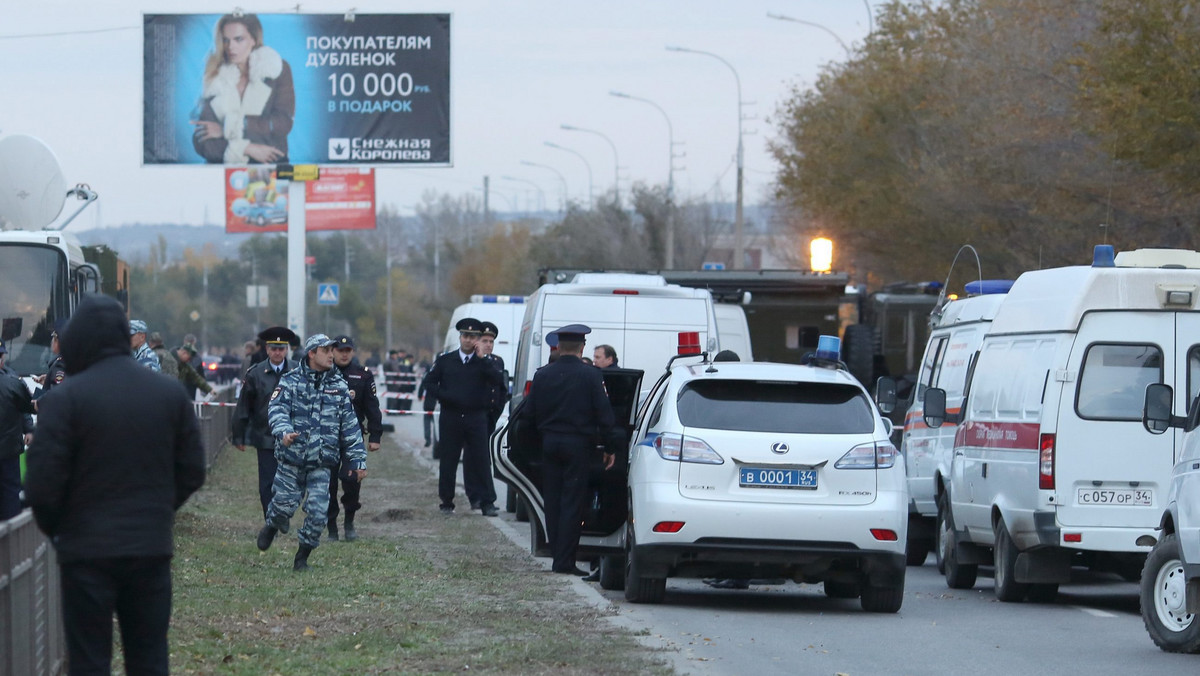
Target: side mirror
[(885, 394), (1156, 414), (935, 407)]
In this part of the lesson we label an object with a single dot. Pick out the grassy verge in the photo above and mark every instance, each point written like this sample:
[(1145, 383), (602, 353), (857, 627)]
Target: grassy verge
[(419, 592)]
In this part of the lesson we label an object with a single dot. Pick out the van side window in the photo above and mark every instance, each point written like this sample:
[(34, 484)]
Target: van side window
[(1113, 380), (929, 370), (1193, 374)]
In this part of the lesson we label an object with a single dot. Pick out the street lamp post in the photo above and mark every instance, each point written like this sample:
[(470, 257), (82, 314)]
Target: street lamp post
[(541, 193), (669, 254), (563, 179), (587, 164), (738, 229), (616, 161), (840, 41)]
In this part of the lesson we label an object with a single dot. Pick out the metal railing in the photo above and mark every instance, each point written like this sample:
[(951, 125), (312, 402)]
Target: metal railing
[(31, 631), (216, 418)]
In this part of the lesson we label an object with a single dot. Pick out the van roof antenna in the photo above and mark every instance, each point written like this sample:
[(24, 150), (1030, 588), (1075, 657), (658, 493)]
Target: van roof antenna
[(936, 312)]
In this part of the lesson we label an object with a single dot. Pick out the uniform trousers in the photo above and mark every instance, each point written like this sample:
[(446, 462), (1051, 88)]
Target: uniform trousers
[(428, 423), (351, 489), (465, 433), (266, 476), (138, 589), (565, 465), (10, 487), (293, 483)]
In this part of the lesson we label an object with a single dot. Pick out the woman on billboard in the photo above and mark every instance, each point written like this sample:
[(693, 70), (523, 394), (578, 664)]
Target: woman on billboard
[(246, 111)]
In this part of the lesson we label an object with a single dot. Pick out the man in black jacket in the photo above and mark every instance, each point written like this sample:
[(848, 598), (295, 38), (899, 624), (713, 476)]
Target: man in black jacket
[(460, 382), (366, 408), (16, 427), (104, 484), (250, 417)]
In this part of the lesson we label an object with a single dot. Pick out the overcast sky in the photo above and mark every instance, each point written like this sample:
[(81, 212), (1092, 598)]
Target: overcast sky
[(519, 71)]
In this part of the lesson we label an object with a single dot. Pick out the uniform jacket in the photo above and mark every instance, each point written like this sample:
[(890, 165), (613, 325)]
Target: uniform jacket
[(16, 405), (429, 401), (263, 114), (55, 373), (170, 365), (146, 357), (568, 397), (365, 400), (191, 378), (105, 477), (251, 412), (459, 386), (497, 393), (317, 406)]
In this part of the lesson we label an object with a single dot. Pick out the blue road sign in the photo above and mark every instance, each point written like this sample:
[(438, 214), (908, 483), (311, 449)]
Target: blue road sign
[(327, 294)]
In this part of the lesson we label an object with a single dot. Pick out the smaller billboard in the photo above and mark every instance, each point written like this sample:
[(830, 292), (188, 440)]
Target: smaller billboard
[(256, 201)]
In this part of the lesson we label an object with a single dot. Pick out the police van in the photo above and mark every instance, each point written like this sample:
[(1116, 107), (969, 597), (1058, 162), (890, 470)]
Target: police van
[(1051, 466), (956, 331), (645, 319)]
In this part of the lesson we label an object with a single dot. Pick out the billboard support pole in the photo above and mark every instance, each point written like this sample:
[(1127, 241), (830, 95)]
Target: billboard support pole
[(295, 259)]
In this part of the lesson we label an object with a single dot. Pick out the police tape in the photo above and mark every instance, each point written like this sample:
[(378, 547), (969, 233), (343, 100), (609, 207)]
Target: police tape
[(227, 404)]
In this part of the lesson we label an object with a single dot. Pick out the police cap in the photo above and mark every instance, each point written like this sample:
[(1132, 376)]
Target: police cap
[(490, 329), (552, 340), (136, 326), (572, 333), (317, 340), (279, 335), (469, 325), (60, 326), (342, 342)]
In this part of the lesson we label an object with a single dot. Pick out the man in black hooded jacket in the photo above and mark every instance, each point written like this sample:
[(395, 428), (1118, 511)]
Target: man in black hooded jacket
[(104, 486)]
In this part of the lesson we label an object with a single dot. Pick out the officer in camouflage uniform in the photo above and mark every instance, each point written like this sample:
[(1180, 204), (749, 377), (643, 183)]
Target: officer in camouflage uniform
[(141, 351), (315, 430), (170, 365)]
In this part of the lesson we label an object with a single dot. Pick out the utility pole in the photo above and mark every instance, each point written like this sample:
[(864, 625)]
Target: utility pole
[(487, 216)]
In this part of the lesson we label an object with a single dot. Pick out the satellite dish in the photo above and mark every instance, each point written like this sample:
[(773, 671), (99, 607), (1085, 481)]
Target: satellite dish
[(32, 187)]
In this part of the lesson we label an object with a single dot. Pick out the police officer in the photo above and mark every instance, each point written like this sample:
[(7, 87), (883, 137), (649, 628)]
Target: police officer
[(57, 371), (16, 431), (141, 351), (497, 394), (315, 430), (250, 426), (366, 410), (429, 404), (460, 382), (570, 409)]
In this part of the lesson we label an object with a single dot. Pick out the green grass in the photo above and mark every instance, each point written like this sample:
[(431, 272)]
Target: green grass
[(419, 592)]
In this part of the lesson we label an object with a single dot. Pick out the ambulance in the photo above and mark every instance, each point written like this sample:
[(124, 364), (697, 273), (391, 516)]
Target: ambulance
[(1051, 466)]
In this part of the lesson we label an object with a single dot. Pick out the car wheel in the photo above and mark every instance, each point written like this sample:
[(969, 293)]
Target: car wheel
[(836, 589), (640, 589), (1004, 555), (612, 573), (915, 552), (1163, 594), (1043, 593), (885, 599), (939, 537), (958, 575)]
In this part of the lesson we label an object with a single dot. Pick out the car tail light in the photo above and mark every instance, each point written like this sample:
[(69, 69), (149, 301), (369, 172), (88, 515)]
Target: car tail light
[(1046, 462), (528, 384), (884, 535), (1072, 537), (667, 527), (689, 342), (868, 456), (625, 292), (212, 366), (686, 449)]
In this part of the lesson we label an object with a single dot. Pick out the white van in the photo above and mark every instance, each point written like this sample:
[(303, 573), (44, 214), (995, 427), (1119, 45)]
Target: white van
[(732, 330), (503, 311), (955, 334), (1051, 465), (644, 319)]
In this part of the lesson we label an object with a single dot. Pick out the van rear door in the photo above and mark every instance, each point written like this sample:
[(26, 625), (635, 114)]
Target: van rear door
[(1108, 471)]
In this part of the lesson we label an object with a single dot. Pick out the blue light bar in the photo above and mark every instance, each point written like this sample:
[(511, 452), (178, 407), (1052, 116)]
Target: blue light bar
[(1104, 256), (984, 287), (829, 347)]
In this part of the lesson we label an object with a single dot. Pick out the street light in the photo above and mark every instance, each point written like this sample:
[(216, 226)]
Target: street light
[(565, 193), (738, 244), (585, 163), (616, 162), (541, 193), (841, 42), (669, 255)]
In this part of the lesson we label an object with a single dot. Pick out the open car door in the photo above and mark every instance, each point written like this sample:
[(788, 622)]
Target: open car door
[(517, 459)]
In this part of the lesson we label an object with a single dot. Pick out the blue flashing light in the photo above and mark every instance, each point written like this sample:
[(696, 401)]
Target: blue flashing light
[(984, 287), (829, 347), (1104, 256)]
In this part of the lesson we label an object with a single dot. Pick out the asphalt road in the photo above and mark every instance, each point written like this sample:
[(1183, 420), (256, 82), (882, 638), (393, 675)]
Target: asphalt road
[(1093, 628)]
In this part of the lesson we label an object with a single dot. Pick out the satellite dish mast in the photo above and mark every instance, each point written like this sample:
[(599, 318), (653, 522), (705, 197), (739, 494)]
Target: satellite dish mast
[(32, 187)]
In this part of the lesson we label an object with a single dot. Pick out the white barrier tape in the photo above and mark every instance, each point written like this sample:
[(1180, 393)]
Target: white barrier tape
[(393, 411), (216, 403), (398, 395)]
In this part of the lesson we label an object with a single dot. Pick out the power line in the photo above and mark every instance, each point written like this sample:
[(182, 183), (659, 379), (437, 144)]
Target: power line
[(60, 34)]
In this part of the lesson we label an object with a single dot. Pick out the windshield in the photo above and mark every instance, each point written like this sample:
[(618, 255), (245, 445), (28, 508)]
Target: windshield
[(763, 406), (33, 294)]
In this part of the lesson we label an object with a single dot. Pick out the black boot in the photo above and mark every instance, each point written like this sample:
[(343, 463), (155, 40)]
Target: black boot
[(266, 536), (301, 562), (333, 531), (351, 535)]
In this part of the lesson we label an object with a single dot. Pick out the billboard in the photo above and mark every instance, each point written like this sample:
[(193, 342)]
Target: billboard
[(245, 89), (256, 201)]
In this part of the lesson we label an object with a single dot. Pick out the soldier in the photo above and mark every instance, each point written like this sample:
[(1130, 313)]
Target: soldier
[(191, 379), (366, 410), (141, 351), (315, 430), (497, 394), (169, 365), (571, 410), (460, 383), (250, 425)]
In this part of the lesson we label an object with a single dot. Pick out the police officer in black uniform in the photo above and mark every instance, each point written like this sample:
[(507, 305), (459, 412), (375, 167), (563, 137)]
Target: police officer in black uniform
[(497, 394), (366, 409), (250, 425), (57, 371), (460, 382), (570, 409)]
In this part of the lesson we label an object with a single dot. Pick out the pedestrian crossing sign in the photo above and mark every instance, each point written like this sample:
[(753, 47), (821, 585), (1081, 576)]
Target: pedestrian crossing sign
[(327, 294)]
